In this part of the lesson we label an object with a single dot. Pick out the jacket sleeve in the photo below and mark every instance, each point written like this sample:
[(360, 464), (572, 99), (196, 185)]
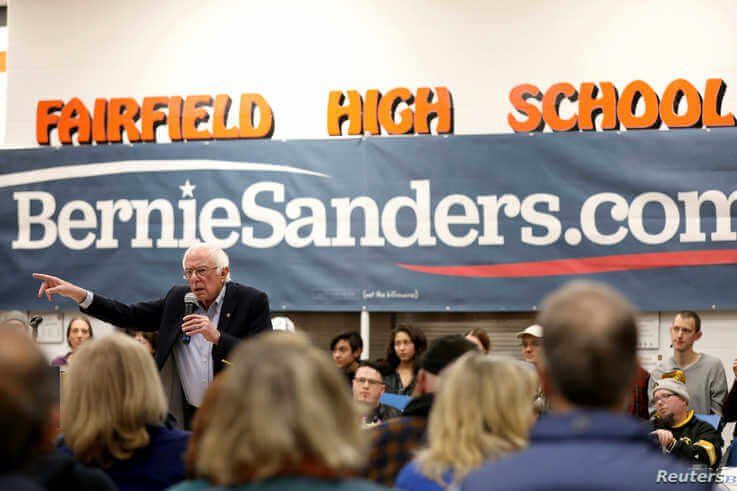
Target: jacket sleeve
[(703, 446), (729, 410), (142, 316)]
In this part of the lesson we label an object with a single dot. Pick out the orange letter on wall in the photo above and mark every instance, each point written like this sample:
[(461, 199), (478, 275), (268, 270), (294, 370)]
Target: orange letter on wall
[(193, 114), (99, 121), (388, 105), (371, 112), (673, 95), (425, 111), (551, 103), (589, 106), (265, 128), (518, 96), (151, 117), (713, 96), (628, 103), (123, 114), (75, 118), (220, 131), (175, 119), (337, 112), (46, 120)]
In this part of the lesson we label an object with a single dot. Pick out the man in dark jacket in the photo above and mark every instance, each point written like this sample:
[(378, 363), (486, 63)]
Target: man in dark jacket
[(394, 442), (586, 441), (199, 343), (678, 431)]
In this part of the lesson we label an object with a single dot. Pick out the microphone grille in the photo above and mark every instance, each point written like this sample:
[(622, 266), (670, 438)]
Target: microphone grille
[(190, 297)]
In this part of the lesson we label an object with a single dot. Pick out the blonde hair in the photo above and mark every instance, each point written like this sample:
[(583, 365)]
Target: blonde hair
[(282, 404), (483, 410), (112, 390)]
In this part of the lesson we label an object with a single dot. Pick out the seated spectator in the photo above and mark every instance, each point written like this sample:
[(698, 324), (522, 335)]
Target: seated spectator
[(394, 442), (147, 339), (586, 441), (15, 319), (730, 402), (347, 348), (480, 338), (639, 402), (29, 420), (705, 377), (113, 415), (281, 420), (482, 411), (406, 346), (678, 431), (79, 330), (368, 388)]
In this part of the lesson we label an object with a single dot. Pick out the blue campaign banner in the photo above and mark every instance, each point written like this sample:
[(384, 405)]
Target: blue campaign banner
[(459, 223)]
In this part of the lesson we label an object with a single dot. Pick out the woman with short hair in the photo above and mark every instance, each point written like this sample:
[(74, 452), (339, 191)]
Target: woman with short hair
[(280, 419), (482, 411), (113, 415), (403, 354)]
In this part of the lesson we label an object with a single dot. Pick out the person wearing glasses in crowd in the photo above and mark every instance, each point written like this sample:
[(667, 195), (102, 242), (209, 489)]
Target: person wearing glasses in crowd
[(226, 313), (705, 376), (79, 330), (368, 387)]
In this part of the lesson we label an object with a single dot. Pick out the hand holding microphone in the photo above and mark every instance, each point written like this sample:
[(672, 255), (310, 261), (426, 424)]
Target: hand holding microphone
[(197, 323), (190, 305)]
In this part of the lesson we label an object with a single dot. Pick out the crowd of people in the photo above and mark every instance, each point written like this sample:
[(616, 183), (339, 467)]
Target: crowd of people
[(279, 413)]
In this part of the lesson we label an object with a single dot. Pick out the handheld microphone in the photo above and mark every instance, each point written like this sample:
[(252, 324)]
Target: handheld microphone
[(190, 305), (35, 321)]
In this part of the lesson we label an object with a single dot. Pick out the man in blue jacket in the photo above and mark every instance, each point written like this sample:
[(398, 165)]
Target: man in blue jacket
[(586, 441)]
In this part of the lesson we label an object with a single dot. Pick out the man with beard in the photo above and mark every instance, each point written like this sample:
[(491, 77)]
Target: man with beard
[(677, 429)]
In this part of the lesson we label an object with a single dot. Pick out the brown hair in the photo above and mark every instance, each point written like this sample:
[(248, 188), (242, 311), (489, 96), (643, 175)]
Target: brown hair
[(482, 336)]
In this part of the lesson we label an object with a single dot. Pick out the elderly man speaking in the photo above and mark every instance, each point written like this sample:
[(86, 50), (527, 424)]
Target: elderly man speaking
[(224, 313)]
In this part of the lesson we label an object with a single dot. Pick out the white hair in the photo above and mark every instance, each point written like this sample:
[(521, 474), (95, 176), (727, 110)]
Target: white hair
[(218, 256)]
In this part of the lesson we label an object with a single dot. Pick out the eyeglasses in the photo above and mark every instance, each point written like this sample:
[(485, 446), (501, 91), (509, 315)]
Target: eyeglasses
[(364, 380), (200, 272), (662, 399)]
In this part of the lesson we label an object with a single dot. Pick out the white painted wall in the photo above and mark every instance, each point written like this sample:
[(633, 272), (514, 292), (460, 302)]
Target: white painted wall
[(295, 52)]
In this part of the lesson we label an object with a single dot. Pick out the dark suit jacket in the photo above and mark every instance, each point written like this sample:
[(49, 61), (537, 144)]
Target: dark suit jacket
[(245, 312)]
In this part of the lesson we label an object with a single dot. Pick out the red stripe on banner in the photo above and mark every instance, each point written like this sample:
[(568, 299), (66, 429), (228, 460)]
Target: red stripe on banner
[(584, 265)]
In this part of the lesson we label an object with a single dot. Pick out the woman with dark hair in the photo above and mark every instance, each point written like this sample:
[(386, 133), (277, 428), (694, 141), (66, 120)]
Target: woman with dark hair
[(79, 330), (147, 339), (406, 345)]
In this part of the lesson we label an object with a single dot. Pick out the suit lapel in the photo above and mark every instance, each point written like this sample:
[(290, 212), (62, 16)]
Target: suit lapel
[(228, 306)]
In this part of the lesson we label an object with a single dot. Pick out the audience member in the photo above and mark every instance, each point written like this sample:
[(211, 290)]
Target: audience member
[(678, 431), (280, 420), (281, 323), (586, 441), (406, 346), (368, 388), (147, 339), (79, 330), (15, 319), (29, 420), (705, 377), (480, 338), (532, 339), (394, 442), (482, 411), (113, 415), (730, 402), (347, 348), (638, 395)]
